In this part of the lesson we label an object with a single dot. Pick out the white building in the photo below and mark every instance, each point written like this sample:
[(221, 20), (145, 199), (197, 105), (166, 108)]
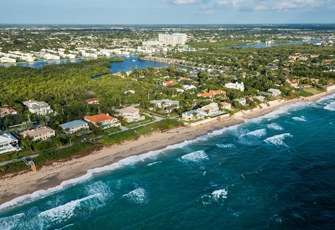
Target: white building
[(191, 115), (39, 107), (43, 133), (242, 101), (8, 143), (209, 110), (164, 103), (275, 92), (131, 114), (236, 85), (189, 87), (173, 39), (7, 60)]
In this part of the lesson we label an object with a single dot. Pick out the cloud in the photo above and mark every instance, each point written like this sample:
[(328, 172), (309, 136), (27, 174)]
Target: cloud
[(256, 5)]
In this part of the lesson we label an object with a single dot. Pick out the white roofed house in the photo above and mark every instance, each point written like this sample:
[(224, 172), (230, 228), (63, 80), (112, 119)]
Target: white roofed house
[(275, 92), (191, 115), (131, 114), (43, 133), (210, 109), (74, 126), (38, 107), (236, 85), (8, 143), (242, 101), (166, 104)]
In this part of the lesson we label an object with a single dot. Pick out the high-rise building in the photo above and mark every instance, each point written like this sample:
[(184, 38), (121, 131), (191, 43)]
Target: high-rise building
[(173, 39)]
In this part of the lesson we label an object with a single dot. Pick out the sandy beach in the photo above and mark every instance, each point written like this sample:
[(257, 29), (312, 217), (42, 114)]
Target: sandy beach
[(13, 186)]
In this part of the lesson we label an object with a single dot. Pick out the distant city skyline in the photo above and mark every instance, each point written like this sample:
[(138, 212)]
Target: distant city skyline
[(167, 11)]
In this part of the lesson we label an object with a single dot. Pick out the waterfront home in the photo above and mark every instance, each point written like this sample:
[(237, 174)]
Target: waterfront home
[(165, 103), (42, 133), (209, 110), (131, 114), (275, 92), (242, 101), (7, 111), (74, 126), (38, 107), (236, 85), (260, 98), (8, 143), (103, 120), (191, 115), (92, 101), (225, 105)]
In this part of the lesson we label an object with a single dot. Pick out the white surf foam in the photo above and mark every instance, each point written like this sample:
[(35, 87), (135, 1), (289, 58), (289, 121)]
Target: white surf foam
[(302, 118), (65, 212), (138, 196), (226, 146), (257, 133), (219, 194), (275, 126), (11, 222), (325, 98), (280, 111), (196, 156), (330, 106), (216, 196), (154, 163), (100, 188), (278, 139)]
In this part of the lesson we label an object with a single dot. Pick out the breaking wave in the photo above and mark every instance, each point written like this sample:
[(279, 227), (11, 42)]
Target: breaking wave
[(216, 196), (226, 146), (275, 126), (302, 118), (257, 133), (330, 107), (278, 140), (138, 196), (196, 156), (11, 222)]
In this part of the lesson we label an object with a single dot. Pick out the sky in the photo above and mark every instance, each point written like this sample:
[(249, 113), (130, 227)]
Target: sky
[(166, 11)]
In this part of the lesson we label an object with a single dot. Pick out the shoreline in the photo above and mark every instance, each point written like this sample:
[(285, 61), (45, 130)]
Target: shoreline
[(14, 186)]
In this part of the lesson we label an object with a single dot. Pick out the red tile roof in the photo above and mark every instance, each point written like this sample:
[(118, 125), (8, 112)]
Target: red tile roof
[(98, 118)]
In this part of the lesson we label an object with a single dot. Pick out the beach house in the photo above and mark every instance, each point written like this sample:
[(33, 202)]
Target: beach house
[(38, 107), (225, 105), (8, 143), (42, 133), (209, 110), (166, 104), (74, 126), (131, 114), (275, 92), (191, 115), (103, 120)]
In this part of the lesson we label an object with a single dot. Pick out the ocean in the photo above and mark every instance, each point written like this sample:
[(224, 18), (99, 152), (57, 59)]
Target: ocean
[(272, 172)]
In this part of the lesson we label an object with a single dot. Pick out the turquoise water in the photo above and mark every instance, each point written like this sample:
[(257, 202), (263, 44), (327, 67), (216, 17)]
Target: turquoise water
[(273, 172)]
